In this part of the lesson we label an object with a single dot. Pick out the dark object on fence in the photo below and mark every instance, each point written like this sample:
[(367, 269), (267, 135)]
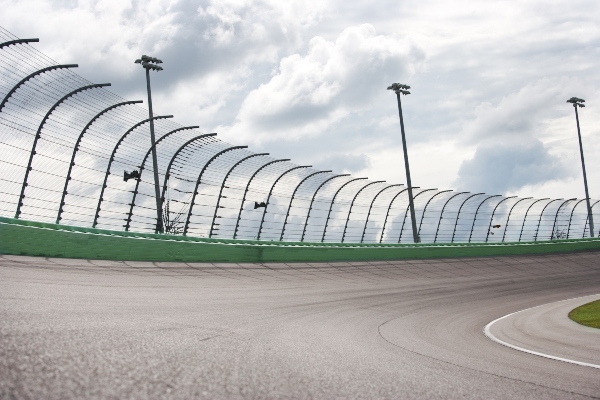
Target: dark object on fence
[(259, 205), (495, 226), (131, 175)]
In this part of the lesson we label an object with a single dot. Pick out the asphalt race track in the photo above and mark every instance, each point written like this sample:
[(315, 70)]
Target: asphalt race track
[(547, 331), (73, 329)]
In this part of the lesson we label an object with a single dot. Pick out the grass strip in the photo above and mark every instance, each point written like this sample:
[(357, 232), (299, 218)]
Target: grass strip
[(587, 314)]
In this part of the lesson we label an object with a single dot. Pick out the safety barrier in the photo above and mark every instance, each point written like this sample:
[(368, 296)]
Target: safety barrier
[(75, 154)]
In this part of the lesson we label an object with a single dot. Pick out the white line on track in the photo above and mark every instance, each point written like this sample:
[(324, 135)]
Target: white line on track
[(490, 335)]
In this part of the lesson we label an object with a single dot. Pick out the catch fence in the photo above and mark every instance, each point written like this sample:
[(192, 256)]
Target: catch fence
[(74, 153)]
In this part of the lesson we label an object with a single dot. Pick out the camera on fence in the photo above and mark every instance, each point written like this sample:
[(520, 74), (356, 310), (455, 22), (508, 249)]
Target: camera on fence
[(131, 175)]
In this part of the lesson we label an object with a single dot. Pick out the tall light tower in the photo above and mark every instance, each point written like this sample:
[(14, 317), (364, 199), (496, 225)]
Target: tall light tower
[(399, 88), (149, 63), (577, 102)]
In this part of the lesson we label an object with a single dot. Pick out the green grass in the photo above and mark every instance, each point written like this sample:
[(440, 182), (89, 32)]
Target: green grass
[(587, 314)]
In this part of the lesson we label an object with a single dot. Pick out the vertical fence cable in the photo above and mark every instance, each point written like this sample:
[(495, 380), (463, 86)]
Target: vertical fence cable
[(352, 205), (509, 214), (526, 213), (540, 220), (571, 217), (458, 214), (553, 234), (312, 200), (362, 237), (111, 160), (387, 214), (262, 220), (408, 208), (425, 209), (223, 186), (442, 214), (477, 211), (494, 213), (237, 224), (332, 203), (198, 181)]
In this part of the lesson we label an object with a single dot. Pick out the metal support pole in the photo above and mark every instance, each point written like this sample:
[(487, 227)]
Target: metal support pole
[(76, 148), (262, 220), (237, 224), (174, 157), (408, 180), (427, 205), (333, 201), (477, 211), (32, 75), (587, 194), (313, 200), (509, 213), (540, 220), (362, 238), (159, 218), (39, 134), (212, 225), (458, 214), (387, 214), (352, 205), (407, 210), (525, 217), (586, 221), (138, 180), (571, 217), (287, 214), (198, 181), (493, 213), (556, 218), (442, 214), (112, 158)]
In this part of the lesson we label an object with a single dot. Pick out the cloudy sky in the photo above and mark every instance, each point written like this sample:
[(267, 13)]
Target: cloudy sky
[(306, 79)]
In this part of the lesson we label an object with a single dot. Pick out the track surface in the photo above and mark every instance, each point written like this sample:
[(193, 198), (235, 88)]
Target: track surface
[(548, 331), (406, 329)]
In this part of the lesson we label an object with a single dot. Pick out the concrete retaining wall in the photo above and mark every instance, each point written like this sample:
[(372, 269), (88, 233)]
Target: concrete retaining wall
[(50, 240)]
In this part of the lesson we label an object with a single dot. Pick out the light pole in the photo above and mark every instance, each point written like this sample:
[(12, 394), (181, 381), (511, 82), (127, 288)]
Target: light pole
[(577, 102), (399, 88), (149, 63)]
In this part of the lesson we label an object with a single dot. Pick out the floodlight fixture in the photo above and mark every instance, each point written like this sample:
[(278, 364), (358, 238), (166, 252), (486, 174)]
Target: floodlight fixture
[(576, 101)]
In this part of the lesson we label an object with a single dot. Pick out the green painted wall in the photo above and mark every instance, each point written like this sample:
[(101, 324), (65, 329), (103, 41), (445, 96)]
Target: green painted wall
[(50, 240)]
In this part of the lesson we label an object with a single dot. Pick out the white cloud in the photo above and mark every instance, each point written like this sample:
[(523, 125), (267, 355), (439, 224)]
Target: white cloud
[(308, 93), (345, 163), (502, 167)]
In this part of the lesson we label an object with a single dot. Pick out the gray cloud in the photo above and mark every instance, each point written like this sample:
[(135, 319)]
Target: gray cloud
[(501, 167), (344, 163)]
